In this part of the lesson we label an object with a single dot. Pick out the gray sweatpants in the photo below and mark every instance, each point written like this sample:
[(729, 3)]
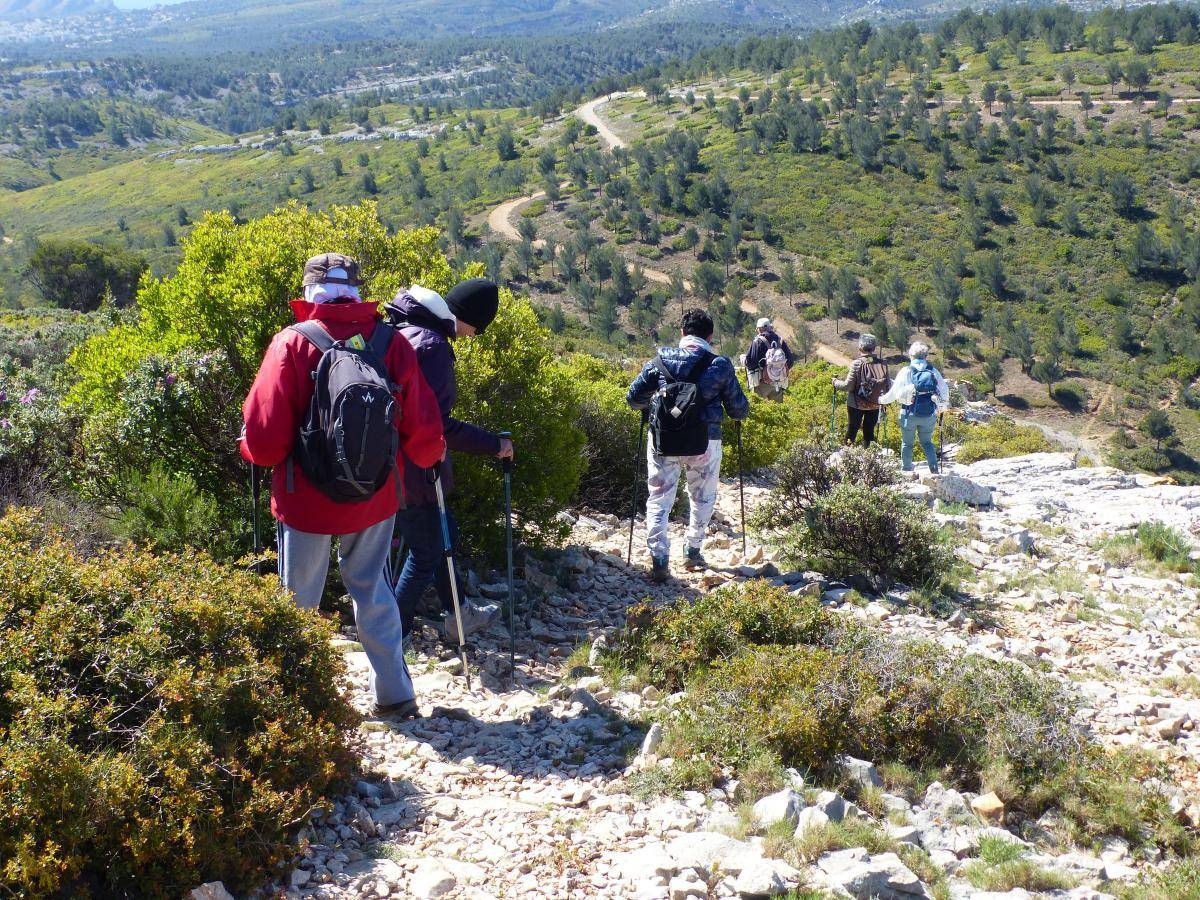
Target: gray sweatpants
[(303, 565)]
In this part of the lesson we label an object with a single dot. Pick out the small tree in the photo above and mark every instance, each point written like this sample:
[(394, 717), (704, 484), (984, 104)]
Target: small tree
[(1156, 425), (1048, 371), (993, 370), (75, 274)]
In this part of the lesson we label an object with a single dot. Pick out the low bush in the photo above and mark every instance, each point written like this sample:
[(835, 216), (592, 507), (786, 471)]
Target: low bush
[(772, 676), (839, 514), (670, 645), (1019, 873), (997, 439), (162, 719), (857, 530)]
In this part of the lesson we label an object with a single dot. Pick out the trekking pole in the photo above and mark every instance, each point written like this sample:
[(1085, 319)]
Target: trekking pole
[(435, 475), (507, 466), (741, 485), (832, 413), (255, 498), (637, 453), (941, 415)]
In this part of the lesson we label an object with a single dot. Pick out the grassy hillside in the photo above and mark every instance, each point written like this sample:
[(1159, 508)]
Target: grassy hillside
[(1016, 188)]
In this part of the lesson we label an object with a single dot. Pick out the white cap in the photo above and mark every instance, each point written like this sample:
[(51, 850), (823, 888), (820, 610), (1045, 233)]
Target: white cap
[(764, 322), (432, 301)]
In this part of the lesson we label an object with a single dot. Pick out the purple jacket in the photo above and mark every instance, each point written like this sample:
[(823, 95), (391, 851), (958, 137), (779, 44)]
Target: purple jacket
[(430, 338)]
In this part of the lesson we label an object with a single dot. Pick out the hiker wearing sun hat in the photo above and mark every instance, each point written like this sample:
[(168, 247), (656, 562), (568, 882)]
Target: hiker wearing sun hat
[(431, 323)]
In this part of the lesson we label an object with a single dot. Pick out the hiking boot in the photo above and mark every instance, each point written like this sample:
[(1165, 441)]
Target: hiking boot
[(660, 570), (695, 561), (405, 709), (474, 618)]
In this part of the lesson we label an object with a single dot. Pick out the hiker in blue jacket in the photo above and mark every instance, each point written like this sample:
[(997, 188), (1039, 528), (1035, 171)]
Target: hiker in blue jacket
[(922, 393), (721, 394)]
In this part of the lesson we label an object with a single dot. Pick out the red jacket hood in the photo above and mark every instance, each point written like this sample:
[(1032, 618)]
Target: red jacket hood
[(351, 313)]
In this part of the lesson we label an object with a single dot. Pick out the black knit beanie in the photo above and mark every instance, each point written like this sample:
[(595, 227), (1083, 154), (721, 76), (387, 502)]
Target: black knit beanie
[(475, 302)]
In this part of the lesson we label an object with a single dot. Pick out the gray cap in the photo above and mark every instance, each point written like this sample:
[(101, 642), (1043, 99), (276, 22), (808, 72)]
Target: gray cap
[(323, 270), (867, 342)]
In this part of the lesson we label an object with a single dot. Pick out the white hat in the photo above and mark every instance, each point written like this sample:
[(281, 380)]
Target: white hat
[(764, 322)]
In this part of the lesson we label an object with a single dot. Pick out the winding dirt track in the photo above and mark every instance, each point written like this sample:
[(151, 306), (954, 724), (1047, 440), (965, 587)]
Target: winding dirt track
[(588, 114)]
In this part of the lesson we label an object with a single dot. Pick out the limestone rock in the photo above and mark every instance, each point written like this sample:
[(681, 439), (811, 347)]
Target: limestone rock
[(811, 817), (213, 890), (782, 806), (832, 804), (989, 808), (861, 771), (862, 876), (432, 879), (957, 489), (765, 878)]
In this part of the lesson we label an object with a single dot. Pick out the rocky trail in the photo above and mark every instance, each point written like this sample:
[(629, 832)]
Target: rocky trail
[(530, 790)]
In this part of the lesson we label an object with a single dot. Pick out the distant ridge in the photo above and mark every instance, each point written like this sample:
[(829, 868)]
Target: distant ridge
[(53, 9)]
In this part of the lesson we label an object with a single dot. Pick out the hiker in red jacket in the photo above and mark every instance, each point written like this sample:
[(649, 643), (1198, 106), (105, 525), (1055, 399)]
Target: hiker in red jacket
[(274, 411)]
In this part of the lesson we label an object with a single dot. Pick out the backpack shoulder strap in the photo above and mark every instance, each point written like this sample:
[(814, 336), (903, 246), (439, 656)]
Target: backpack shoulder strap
[(381, 339), (314, 332), (662, 369)]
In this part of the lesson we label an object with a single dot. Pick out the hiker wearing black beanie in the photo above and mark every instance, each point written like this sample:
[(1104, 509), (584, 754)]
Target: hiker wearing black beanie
[(474, 302), (431, 323)]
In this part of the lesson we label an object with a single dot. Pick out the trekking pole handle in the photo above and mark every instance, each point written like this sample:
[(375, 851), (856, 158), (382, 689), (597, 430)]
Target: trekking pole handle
[(434, 473), (506, 464)]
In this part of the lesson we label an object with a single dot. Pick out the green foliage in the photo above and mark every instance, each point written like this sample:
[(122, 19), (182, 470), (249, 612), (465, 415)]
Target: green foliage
[(611, 430), (1020, 873), (672, 644), (771, 677), (77, 274), (510, 379), (1178, 881), (839, 514), (161, 719), (1154, 542), (171, 513), (879, 533), (773, 427), (997, 439)]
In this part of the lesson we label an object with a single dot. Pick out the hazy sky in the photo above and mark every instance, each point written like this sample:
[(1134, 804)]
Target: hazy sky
[(142, 4)]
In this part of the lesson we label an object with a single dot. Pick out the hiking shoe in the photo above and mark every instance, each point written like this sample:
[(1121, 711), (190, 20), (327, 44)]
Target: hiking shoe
[(474, 618), (405, 709), (695, 561), (660, 570)]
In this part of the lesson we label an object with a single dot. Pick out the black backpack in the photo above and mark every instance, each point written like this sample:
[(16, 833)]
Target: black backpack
[(675, 412), (348, 441)]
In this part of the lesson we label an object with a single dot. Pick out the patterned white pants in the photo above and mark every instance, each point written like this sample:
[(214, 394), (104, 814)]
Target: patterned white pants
[(703, 475)]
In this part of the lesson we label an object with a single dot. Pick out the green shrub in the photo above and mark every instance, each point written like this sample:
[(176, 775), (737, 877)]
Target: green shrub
[(1166, 545), (809, 472), (171, 513), (858, 530), (669, 645), (773, 428), (1019, 873), (837, 512), (997, 439), (162, 719), (1178, 881), (611, 430), (510, 379)]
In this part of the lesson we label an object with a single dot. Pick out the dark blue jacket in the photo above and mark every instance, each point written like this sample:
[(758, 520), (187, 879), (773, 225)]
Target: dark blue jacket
[(430, 337), (719, 386)]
